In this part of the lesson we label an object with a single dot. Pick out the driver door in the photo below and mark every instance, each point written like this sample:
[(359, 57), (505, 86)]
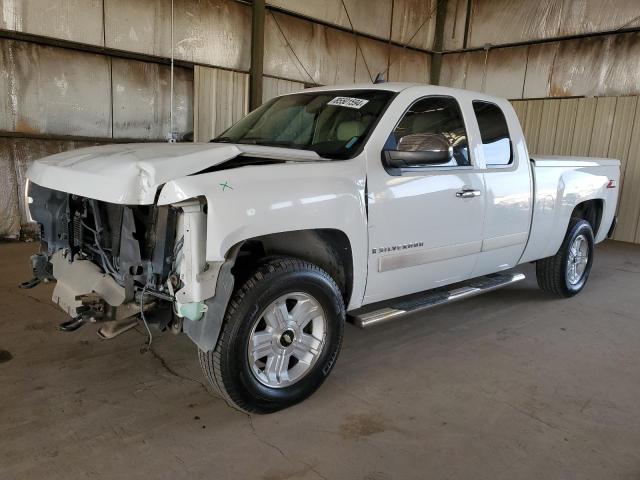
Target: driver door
[(425, 220)]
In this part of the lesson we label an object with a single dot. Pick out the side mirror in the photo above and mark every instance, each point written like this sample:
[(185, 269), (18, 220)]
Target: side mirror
[(419, 149)]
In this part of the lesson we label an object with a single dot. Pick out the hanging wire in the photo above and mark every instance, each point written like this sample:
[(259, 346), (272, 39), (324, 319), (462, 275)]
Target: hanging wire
[(633, 20), (357, 41), (484, 67), (291, 48), (406, 44), (148, 346), (170, 136)]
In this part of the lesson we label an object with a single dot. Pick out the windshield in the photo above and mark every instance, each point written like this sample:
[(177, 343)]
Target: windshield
[(333, 124)]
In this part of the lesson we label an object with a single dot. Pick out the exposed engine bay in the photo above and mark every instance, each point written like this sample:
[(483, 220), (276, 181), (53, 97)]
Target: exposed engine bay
[(112, 262)]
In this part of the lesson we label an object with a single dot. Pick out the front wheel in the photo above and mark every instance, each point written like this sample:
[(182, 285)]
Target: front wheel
[(566, 273), (280, 338)]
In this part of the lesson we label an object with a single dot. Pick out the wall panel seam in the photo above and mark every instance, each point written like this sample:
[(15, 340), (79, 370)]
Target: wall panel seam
[(541, 41)]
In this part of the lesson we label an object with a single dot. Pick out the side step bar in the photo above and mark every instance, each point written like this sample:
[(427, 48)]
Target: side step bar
[(418, 302)]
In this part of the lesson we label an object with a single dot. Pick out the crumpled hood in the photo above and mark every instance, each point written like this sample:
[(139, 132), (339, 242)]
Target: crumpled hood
[(131, 173)]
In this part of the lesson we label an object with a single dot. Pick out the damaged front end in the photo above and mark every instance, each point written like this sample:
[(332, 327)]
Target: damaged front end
[(112, 262)]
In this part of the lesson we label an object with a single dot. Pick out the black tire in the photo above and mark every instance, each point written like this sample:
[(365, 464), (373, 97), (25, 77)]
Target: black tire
[(551, 272), (227, 367)]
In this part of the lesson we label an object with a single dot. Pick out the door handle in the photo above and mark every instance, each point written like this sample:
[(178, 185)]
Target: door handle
[(468, 193)]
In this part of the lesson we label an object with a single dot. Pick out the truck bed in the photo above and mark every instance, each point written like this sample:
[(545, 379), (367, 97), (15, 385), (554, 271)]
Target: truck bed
[(560, 183)]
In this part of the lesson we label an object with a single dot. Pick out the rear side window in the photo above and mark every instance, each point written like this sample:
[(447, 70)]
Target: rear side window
[(494, 133)]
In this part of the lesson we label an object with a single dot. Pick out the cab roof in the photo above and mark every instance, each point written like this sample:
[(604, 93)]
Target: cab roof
[(400, 86)]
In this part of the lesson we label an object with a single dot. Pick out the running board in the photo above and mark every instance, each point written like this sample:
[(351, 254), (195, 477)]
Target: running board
[(401, 307)]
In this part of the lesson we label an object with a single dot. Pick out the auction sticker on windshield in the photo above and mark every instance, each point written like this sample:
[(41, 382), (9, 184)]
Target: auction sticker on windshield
[(348, 102)]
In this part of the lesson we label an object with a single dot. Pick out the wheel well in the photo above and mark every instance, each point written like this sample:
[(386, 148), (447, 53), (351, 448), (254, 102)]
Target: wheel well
[(591, 211), (327, 248)]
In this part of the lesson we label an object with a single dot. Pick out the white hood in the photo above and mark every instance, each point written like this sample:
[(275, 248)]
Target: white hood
[(131, 173)]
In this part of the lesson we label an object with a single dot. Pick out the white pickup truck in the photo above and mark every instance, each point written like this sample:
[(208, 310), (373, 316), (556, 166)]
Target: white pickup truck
[(361, 202)]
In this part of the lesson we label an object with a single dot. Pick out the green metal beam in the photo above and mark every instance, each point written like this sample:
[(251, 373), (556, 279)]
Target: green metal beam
[(257, 53), (467, 23), (438, 42)]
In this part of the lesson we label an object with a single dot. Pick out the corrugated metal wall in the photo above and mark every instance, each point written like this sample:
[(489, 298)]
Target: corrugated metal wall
[(607, 65), (48, 90), (332, 11), (395, 20), (141, 99), (212, 32), (57, 91), (75, 20), (209, 32), (599, 127), (301, 50), (272, 87), (499, 22), (222, 98)]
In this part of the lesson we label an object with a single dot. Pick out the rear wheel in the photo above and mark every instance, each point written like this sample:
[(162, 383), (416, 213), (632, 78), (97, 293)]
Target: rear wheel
[(280, 339), (566, 273)]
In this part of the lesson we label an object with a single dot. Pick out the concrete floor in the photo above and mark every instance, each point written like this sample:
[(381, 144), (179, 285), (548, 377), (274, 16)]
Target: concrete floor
[(513, 384)]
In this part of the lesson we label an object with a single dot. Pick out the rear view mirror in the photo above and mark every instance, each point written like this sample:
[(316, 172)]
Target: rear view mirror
[(420, 149)]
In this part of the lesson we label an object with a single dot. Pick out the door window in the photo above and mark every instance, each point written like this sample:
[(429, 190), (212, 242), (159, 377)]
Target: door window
[(433, 123), (494, 133)]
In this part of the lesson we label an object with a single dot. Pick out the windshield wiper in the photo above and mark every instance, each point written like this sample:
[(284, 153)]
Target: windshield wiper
[(269, 142), (222, 140)]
